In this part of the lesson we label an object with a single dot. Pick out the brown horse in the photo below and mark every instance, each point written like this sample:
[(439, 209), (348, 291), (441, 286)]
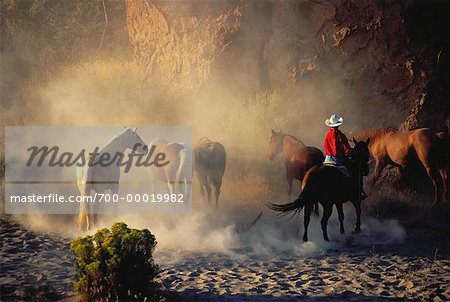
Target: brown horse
[(298, 157), (398, 148), (330, 185), (210, 159)]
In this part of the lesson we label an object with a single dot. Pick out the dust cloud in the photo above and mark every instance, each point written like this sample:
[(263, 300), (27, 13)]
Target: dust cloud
[(115, 91), (230, 231)]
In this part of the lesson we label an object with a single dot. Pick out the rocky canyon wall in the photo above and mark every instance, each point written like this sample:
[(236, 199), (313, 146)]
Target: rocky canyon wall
[(385, 63)]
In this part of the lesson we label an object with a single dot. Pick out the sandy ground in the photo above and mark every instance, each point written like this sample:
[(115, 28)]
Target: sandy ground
[(337, 275), (39, 267), (33, 266)]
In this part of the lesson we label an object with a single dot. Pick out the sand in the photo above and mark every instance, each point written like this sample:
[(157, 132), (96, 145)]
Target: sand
[(36, 267), (344, 275)]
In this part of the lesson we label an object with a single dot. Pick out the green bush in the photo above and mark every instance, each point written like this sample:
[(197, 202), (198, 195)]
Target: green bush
[(114, 264)]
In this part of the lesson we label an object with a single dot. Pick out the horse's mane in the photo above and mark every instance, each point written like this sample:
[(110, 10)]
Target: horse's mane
[(374, 133), (294, 138)]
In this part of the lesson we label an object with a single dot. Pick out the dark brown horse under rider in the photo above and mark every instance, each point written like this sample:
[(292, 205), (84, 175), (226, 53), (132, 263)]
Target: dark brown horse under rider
[(340, 187)]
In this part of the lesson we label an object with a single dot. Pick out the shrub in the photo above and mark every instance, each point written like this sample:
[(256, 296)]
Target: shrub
[(114, 264)]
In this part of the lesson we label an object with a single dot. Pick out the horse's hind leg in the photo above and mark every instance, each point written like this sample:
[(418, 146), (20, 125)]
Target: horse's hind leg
[(208, 188), (306, 219), (435, 178), (82, 216), (217, 182), (327, 210), (91, 219), (379, 166), (202, 180), (357, 206), (340, 211), (83, 220), (170, 173), (88, 222)]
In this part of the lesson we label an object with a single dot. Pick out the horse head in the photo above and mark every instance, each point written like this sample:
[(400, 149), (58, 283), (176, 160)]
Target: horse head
[(360, 155), (275, 144), (134, 141)]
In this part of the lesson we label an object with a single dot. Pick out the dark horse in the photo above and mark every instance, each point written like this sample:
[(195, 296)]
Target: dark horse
[(389, 146), (298, 157), (330, 185), (210, 159)]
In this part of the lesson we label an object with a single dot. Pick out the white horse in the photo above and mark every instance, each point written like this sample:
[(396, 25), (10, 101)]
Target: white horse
[(178, 173), (100, 178)]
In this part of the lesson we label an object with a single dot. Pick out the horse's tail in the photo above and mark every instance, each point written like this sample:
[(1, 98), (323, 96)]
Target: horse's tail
[(305, 196), (296, 206)]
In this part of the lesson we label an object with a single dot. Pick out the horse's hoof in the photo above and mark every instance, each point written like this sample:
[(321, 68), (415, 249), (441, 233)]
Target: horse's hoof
[(342, 231), (305, 239), (356, 231), (326, 239)]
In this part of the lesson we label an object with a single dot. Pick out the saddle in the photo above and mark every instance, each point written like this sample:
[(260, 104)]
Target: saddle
[(343, 169)]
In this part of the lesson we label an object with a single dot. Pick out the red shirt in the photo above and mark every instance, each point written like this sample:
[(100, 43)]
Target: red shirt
[(335, 143)]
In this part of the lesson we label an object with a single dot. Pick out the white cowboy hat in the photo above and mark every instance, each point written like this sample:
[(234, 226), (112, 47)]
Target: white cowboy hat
[(334, 121)]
